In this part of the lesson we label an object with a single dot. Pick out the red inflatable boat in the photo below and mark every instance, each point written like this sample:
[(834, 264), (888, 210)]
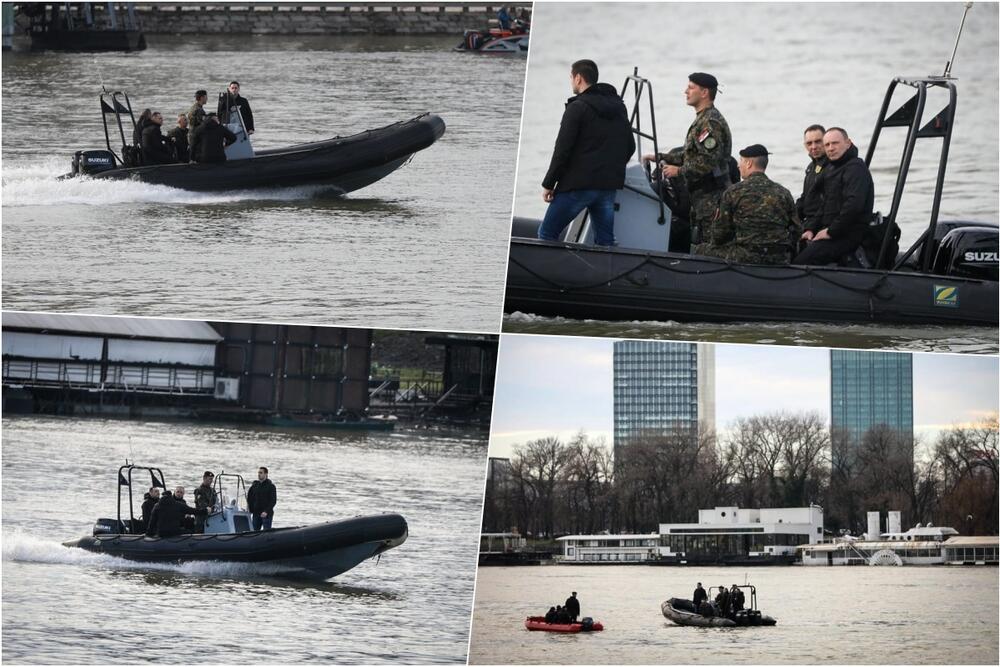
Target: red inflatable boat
[(538, 623)]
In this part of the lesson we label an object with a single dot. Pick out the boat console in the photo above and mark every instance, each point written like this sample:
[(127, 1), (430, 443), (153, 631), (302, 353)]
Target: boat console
[(229, 516)]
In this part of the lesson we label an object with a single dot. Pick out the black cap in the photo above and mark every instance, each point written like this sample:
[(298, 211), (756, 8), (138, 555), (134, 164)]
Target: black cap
[(704, 80), (756, 150), (209, 473)]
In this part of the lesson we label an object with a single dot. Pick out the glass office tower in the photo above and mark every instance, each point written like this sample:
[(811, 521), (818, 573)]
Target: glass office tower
[(662, 387), (870, 389)]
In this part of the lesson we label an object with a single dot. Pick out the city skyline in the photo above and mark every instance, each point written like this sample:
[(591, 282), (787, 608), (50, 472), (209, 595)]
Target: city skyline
[(559, 386)]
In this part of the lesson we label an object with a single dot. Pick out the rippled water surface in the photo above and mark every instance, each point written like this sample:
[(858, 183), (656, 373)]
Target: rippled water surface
[(63, 605), (425, 247), (826, 615), (783, 66)]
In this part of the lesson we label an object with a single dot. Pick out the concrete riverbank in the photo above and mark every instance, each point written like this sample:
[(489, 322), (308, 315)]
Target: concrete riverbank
[(289, 18)]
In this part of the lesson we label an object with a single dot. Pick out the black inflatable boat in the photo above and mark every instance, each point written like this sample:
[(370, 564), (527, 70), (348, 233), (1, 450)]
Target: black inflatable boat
[(343, 163), (683, 612), (948, 276), (318, 551)]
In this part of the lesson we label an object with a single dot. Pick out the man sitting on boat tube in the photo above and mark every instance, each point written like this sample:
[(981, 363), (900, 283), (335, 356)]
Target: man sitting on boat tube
[(848, 203), (592, 149)]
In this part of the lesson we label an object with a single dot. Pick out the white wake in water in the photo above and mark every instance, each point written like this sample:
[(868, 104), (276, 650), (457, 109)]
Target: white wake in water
[(39, 185), (19, 547)]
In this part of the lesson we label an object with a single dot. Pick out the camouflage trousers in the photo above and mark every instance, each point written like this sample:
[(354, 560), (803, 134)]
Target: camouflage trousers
[(704, 207), (743, 254)]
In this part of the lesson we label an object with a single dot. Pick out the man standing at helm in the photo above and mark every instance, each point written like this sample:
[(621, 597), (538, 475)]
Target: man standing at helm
[(704, 159)]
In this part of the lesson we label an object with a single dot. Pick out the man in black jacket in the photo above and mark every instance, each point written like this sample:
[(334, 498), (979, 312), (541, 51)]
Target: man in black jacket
[(573, 607), (167, 518), (154, 145), (700, 595), (231, 98), (149, 500), (209, 140), (261, 499), (178, 138), (848, 202), (810, 204), (594, 144)]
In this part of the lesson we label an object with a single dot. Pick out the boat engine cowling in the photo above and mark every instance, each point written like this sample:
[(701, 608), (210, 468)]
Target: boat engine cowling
[(969, 252), (93, 162), (108, 527)]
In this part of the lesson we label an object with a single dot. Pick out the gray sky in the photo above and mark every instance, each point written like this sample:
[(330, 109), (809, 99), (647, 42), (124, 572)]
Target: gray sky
[(559, 385)]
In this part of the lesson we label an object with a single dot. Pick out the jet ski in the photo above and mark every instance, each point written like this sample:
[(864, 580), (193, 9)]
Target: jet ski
[(317, 551), (948, 276), (683, 612), (343, 163), (585, 625)]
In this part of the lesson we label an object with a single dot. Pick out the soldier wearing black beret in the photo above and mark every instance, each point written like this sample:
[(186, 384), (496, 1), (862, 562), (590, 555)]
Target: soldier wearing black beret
[(757, 221), (703, 162)]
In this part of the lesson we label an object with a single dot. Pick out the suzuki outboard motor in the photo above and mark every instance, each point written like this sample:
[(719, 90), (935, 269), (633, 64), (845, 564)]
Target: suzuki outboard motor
[(93, 162), (108, 527), (969, 252)]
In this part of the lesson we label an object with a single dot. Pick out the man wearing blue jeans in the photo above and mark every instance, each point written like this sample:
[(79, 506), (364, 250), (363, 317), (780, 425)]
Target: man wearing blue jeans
[(261, 499), (594, 144)]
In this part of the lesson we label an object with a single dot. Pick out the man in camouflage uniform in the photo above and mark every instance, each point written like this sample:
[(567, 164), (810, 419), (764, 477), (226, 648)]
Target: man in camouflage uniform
[(196, 114), (205, 498), (703, 161), (757, 221)]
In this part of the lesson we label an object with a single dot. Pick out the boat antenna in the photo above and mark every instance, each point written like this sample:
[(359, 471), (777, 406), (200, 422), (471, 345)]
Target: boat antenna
[(100, 76), (947, 67)]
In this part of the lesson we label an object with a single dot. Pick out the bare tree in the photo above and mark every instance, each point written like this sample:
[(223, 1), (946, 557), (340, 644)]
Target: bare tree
[(968, 459)]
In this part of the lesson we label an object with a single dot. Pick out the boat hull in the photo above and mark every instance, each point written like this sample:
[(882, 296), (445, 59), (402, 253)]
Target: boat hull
[(587, 282), (319, 551), (345, 164), (682, 617), (538, 624)]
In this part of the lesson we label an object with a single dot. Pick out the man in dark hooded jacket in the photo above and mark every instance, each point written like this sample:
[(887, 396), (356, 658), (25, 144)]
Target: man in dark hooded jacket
[(167, 519), (848, 202), (261, 499), (149, 500), (594, 144), (209, 140), (154, 144)]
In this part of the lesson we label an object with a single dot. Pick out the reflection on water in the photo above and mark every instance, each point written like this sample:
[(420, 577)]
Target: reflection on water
[(409, 605), (376, 255)]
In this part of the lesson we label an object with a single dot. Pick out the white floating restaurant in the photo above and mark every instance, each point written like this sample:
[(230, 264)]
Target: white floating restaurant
[(729, 535), (920, 545)]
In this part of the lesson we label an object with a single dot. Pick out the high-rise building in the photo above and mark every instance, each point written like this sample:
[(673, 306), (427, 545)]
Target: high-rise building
[(661, 388), (871, 389)]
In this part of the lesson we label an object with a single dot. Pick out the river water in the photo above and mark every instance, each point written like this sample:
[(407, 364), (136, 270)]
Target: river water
[(423, 248), (826, 615), (64, 606), (783, 66)]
